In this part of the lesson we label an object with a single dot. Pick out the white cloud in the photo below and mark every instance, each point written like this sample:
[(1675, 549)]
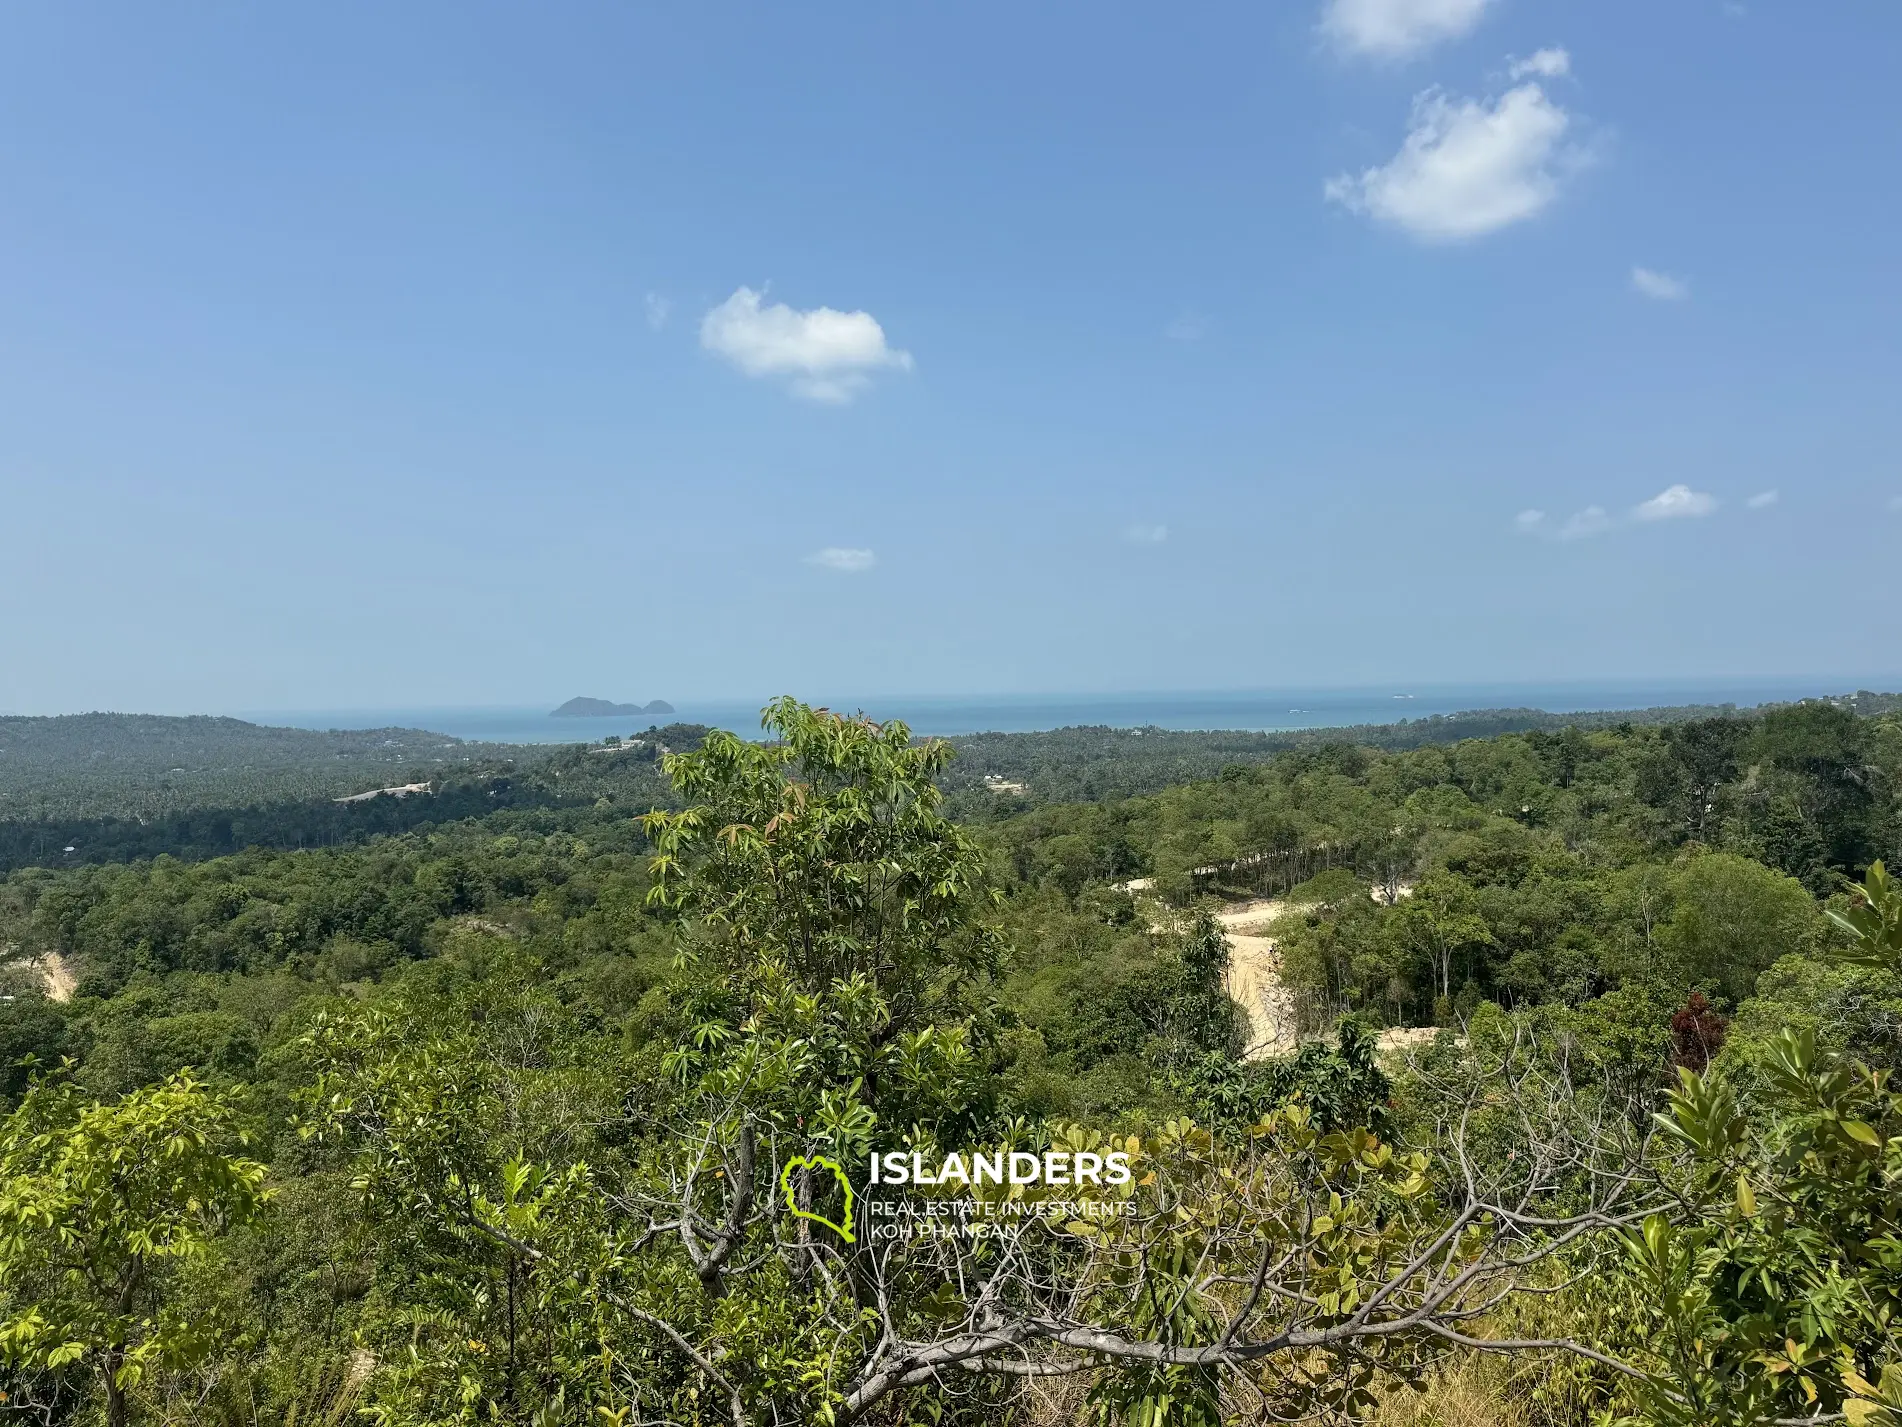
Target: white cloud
[(1395, 29), (1584, 523), (1661, 286), (1146, 534), (1552, 63), (657, 309), (1895, 504), (1466, 167), (842, 560), (1189, 327), (1675, 503), (1593, 520), (1762, 499), (827, 353)]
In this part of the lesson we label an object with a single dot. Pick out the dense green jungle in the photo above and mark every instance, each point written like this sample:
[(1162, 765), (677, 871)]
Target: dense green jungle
[(103, 788), (147, 765), (511, 1102)]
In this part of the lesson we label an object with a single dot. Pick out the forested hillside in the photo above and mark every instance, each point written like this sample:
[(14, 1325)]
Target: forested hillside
[(225, 806), (145, 765), (102, 788), (1070, 765), (500, 1119), (1537, 866)]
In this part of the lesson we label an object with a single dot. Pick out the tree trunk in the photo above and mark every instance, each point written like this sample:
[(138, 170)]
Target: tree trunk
[(508, 1388), (115, 1394)]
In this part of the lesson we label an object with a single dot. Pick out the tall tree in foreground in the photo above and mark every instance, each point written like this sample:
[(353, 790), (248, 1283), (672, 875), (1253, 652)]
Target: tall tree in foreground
[(98, 1202), (833, 920), (832, 977)]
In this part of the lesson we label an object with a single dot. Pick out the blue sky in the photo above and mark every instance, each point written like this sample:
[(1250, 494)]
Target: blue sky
[(360, 355)]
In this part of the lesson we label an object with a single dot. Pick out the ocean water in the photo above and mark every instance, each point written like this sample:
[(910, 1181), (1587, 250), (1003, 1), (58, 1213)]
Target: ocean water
[(1254, 710)]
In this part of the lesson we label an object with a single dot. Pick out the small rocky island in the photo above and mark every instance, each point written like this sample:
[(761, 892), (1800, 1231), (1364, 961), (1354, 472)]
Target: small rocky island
[(602, 708)]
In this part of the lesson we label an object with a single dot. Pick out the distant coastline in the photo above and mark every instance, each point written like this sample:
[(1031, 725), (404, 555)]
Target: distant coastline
[(603, 708), (1187, 711)]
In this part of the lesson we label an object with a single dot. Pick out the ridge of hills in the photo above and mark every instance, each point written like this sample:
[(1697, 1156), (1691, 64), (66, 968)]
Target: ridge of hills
[(1071, 765), (101, 787), (133, 765)]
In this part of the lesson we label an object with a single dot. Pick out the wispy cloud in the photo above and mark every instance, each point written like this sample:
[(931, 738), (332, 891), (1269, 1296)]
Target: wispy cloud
[(1467, 167), (1188, 327), (1585, 523), (1579, 525), (658, 309), (828, 354), (1146, 534), (842, 560), (1675, 503), (1762, 500), (1397, 29), (1895, 504), (1553, 63), (1661, 286)]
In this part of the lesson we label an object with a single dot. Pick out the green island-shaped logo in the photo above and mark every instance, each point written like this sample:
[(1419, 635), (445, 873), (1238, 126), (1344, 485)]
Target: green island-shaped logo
[(844, 1230)]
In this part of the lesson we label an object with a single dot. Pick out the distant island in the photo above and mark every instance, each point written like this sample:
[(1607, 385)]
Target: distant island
[(601, 708)]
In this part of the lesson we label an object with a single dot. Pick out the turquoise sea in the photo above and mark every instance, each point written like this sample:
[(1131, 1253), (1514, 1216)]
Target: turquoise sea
[(1254, 709)]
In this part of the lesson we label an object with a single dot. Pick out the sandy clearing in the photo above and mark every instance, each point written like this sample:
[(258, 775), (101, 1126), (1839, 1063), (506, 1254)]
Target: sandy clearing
[(400, 791), (1254, 980), (1258, 913), (58, 975), (1254, 977), (1254, 972)]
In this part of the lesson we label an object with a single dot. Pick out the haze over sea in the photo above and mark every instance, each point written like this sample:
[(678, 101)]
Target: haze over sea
[(1256, 709)]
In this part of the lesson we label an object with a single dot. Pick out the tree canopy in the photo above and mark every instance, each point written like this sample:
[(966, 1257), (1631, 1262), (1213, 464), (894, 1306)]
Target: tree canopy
[(524, 1117)]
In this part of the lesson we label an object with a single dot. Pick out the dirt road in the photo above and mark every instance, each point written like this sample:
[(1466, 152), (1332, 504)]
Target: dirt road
[(1254, 980), (1254, 977)]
